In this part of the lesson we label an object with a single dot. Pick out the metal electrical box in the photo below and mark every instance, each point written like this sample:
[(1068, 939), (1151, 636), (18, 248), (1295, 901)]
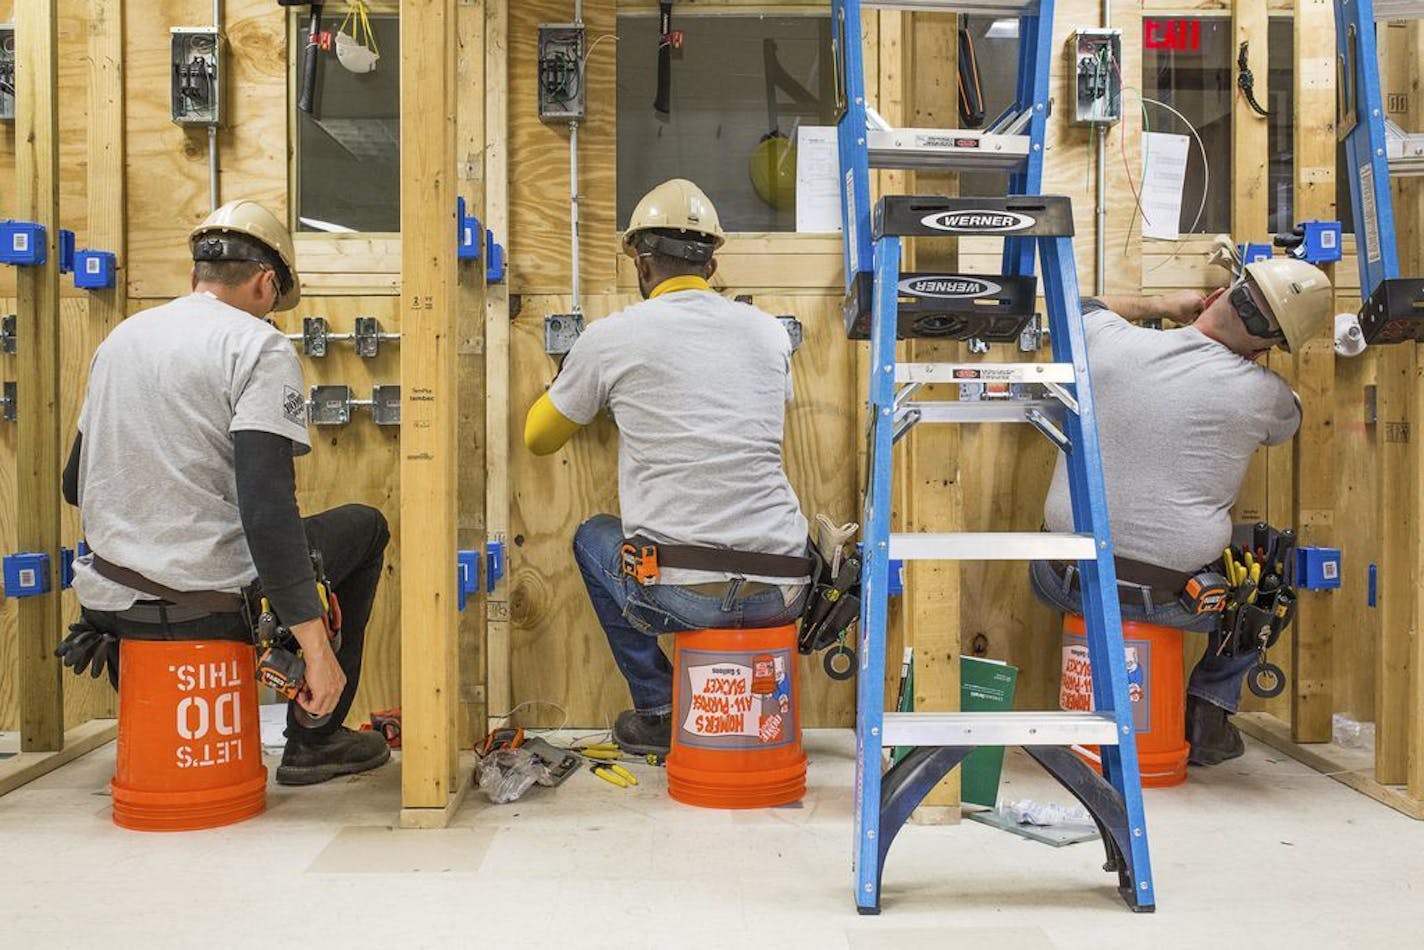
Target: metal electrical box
[(1095, 78), (197, 54), (7, 72), (561, 62)]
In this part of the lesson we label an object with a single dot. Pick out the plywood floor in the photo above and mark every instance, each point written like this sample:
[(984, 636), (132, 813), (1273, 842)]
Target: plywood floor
[(1260, 853)]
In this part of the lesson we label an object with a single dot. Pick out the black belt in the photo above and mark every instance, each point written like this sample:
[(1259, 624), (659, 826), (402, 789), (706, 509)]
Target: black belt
[(643, 560), (212, 601), (1131, 592), (159, 613)]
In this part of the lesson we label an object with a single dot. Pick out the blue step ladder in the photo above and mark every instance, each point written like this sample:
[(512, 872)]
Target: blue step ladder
[(883, 304), (1377, 150)]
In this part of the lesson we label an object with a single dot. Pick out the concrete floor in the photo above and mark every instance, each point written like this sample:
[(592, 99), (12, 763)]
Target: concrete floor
[(1261, 852)]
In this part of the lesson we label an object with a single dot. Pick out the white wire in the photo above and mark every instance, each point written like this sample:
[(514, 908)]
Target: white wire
[(536, 702), (1206, 176), (583, 64)]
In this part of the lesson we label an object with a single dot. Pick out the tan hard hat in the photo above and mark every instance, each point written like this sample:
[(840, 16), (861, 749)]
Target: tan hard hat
[(1299, 296), (679, 205), (251, 219)]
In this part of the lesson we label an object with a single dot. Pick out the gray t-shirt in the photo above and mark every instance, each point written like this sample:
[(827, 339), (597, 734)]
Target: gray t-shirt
[(1179, 417), (157, 485), (697, 385)]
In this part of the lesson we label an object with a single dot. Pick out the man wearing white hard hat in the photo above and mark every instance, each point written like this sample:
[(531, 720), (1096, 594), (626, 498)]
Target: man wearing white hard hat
[(698, 386), (1180, 413), (183, 473)]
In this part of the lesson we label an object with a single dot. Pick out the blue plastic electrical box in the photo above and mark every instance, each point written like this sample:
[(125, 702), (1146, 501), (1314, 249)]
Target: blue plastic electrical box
[(22, 243), (66, 250), (1317, 568), (896, 583), (494, 260), (26, 574), (1322, 242), (469, 227), (66, 568), (1251, 253), (95, 270), (494, 564), (468, 579)]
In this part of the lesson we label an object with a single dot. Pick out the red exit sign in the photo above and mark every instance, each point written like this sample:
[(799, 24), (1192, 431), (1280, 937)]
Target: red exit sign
[(1180, 35)]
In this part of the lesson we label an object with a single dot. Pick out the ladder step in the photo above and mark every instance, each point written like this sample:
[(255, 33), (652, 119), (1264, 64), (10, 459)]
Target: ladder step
[(946, 150), (1384, 9), (999, 728), (1405, 150), (994, 308), (983, 410), (933, 216), (996, 7), (992, 546), (984, 373)]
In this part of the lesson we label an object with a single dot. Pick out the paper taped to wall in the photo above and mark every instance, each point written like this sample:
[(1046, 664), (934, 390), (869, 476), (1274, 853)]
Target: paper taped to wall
[(1164, 176), (818, 200)]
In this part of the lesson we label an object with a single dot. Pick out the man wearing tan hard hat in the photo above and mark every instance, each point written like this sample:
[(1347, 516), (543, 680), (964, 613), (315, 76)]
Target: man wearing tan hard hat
[(1180, 413), (183, 473), (698, 386)]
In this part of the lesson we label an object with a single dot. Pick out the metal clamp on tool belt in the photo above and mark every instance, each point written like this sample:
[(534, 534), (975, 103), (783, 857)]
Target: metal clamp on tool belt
[(1138, 583)]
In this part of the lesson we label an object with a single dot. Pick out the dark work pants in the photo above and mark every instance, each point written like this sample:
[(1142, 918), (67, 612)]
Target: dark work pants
[(352, 540)]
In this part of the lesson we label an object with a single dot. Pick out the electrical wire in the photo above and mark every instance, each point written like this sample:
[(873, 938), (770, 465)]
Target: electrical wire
[(537, 702), (1206, 175), (583, 63)]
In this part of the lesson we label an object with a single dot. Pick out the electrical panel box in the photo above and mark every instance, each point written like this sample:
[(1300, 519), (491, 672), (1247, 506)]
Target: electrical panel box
[(26, 574), (561, 62), (95, 270), (1095, 79), (7, 72), (197, 75), (22, 243)]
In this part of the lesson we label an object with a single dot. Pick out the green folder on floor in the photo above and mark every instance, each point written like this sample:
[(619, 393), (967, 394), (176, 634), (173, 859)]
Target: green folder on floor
[(984, 686)]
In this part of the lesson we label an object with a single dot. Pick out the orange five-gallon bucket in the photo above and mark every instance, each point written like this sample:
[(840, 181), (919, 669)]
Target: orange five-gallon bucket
[(189, 750), (1156, 686), (736, 735)]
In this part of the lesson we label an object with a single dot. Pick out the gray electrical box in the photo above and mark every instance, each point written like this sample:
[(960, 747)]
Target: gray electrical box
[(561, 331), (330, 405), (1095, 77), (561, 54), (7, 72), (197, 72)]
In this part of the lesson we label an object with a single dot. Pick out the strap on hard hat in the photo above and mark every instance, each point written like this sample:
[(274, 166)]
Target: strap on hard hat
[(223, 248), (693, 251)]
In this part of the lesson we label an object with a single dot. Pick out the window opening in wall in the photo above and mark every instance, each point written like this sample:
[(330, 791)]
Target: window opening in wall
[(996, 49), (741, 87), (348, 149), (1197, 80)]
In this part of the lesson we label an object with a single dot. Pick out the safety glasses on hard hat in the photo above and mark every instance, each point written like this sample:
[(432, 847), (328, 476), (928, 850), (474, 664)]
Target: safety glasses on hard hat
[(1257, 321)]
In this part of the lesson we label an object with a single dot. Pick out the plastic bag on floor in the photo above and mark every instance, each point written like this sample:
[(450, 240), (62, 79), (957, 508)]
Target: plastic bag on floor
[(507, 774), (1044, 814)]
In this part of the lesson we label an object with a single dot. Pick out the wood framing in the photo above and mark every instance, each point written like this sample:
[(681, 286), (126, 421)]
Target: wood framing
[(499, 683), (37, 370), (80, 740), (1312, 679), (429, 665)]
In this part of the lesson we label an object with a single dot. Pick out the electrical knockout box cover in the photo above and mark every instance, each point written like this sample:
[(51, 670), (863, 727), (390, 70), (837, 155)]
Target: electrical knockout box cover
[(95, 270), (26, 574), (1095, 79), (561, 64)]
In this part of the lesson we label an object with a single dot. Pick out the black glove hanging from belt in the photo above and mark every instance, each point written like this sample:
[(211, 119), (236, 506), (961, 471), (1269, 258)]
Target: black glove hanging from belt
[(88, 647)]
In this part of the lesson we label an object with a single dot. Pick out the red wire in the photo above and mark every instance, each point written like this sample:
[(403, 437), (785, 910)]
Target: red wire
[(1122, 142)]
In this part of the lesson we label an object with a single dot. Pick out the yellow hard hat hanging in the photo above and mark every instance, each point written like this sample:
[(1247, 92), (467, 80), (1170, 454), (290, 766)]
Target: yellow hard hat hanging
[(356, 48), (773, 171)]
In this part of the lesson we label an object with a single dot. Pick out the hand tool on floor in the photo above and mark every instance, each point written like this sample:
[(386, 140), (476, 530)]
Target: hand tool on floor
[(506, 737), (613, 774), (599, 750), (388, 723), (561, 763)]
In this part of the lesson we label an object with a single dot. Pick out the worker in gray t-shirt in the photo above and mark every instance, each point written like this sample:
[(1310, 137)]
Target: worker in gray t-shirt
[(183, 473), (698, 387), (1179, 414)]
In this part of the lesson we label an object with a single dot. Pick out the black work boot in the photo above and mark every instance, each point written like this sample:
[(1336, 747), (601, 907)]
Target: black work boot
[(1212, 736), (312, 757), (643, 735)]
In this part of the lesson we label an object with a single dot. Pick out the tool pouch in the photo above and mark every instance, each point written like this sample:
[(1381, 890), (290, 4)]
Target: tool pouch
[(832, 605)]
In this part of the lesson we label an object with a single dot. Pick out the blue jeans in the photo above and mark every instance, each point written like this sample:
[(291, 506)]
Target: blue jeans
[(1215, 679), (634, 616)]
